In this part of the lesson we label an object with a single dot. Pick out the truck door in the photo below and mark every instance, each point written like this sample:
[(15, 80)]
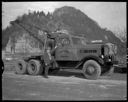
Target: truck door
[(65, 52)]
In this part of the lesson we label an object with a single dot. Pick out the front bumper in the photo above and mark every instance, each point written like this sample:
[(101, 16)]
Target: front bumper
[(110, 59)]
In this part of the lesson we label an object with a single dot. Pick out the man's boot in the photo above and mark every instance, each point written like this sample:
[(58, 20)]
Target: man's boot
[(45, 76), (46, 72)]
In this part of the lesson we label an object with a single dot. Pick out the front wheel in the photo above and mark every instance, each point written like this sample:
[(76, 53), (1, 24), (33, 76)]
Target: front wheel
[(91, 70)]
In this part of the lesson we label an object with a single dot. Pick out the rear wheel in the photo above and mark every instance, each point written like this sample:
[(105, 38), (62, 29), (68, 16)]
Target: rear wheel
[(21, 67), (34, 67), (91, 70)]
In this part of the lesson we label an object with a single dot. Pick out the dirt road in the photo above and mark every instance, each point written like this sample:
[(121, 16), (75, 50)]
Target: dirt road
[(63, 86)]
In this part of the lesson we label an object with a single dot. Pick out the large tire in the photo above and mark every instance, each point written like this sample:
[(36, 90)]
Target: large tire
[(21, 67), (109, 71), (91, 70), (34, 67)]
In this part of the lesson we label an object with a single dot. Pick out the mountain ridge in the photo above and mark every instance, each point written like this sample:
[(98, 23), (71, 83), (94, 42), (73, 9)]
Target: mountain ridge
[(69, 18)]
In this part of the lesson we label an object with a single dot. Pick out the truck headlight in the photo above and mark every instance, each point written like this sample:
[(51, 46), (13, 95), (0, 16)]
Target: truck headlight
[(109, 60), (102, 56)]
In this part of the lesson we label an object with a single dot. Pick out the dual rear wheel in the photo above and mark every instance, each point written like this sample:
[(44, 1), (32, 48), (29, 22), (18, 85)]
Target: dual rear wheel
[(33, 67), (21, 67)]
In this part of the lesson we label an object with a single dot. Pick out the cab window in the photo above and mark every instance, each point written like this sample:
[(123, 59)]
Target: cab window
[(78, 41), (83, 42)]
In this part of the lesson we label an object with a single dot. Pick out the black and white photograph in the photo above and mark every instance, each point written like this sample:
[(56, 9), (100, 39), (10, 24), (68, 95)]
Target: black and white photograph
[(64, 50)]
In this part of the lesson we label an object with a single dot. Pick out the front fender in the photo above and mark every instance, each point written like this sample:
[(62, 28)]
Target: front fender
[(96, 58)]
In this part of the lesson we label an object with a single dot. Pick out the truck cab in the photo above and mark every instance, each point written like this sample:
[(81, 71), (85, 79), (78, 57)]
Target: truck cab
[(76, 51)]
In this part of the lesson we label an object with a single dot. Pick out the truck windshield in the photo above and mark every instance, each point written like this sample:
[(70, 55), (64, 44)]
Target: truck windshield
[(78, 41)]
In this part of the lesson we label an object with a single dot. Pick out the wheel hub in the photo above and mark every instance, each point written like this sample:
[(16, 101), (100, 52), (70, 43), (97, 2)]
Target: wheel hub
[(33, 67), (20, 66), (90, 70)]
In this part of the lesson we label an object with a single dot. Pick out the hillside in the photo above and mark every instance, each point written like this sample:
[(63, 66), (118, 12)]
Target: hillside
[(81, 24), (69, 18)]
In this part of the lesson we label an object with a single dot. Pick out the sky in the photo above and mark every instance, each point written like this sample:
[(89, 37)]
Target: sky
[(110, 15)]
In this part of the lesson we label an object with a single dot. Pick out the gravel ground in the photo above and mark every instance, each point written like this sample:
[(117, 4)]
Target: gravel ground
[(66, 85)]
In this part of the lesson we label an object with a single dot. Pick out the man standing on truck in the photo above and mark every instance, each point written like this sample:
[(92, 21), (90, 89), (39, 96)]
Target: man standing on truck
[(47, 61), (49, 53), (49, 58)]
